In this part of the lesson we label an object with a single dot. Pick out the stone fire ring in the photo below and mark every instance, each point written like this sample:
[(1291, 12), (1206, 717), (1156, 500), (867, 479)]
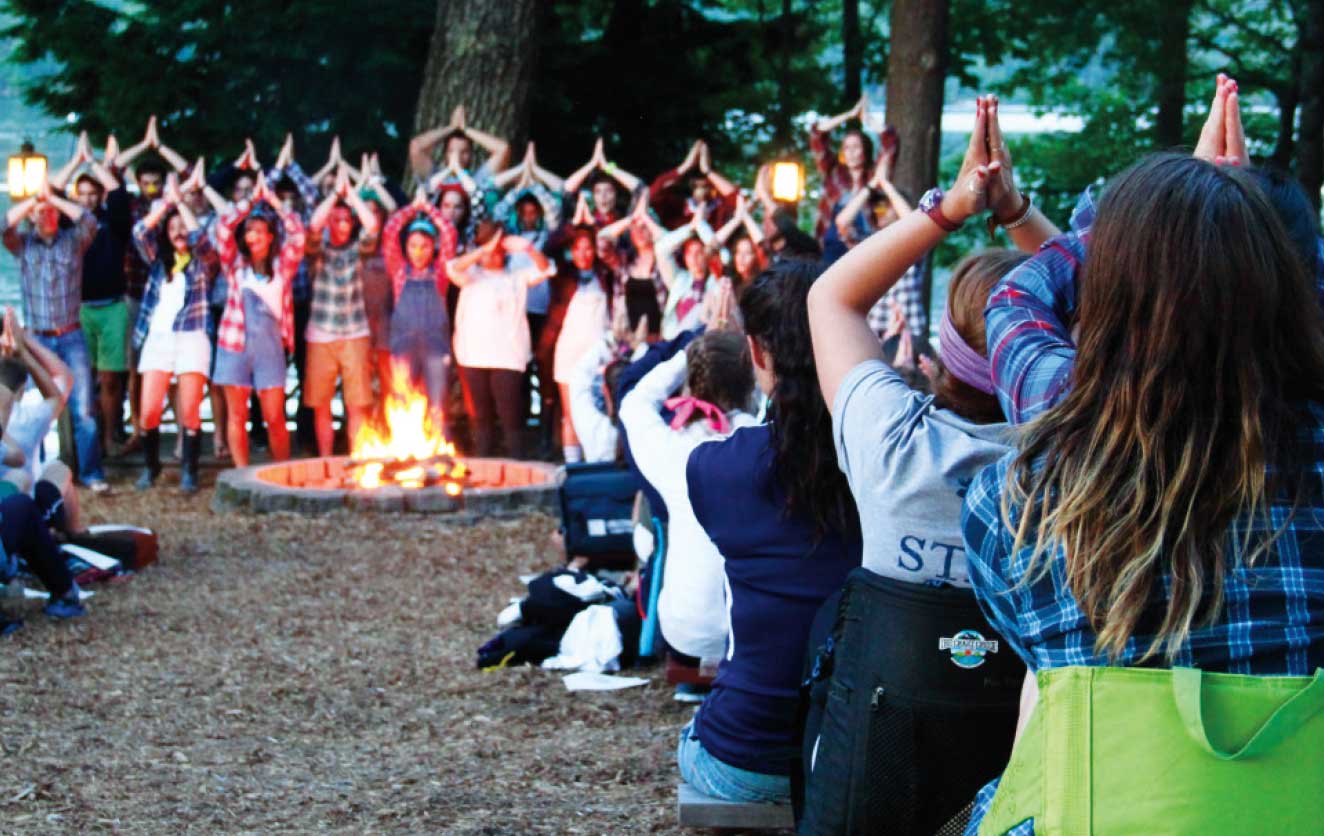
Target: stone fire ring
[(498, 487)]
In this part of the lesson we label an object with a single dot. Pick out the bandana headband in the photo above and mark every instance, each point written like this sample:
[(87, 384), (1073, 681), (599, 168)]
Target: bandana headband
[(966, 365), (685, 407)]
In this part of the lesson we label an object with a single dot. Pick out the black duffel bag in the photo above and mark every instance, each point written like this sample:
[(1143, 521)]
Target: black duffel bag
[(910, 703)]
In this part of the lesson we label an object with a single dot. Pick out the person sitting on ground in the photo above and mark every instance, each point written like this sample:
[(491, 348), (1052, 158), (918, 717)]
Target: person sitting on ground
[(257, 327), (339, 339), (171, 332), (780, 512), (492, 342), (1165, 504), (702, 181), (709, 388)]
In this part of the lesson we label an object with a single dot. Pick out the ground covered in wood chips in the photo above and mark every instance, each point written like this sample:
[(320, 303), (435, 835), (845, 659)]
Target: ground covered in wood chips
[(282, 673)]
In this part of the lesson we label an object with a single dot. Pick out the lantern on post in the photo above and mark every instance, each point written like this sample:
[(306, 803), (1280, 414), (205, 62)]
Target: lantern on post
[(788, 181), (27, 171)]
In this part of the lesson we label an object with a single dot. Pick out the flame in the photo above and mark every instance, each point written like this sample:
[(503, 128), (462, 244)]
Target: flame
[(409, 436)]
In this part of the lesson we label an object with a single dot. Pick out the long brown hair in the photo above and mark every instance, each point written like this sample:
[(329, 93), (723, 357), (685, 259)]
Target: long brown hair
[(971, 283), (1200, 344)]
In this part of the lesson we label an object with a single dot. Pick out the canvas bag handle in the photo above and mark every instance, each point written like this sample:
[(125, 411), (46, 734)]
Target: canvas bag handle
[(1290, 716)]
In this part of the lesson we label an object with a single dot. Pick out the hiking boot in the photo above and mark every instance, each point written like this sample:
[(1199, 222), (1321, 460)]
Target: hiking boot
[(188, 479), (151, 441), (66, 606)]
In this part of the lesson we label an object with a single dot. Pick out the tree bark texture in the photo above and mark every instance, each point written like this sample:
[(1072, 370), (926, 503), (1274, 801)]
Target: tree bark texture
[(1310, 139), (852, 48), (483, 55), (1174, 23), (916, 74)]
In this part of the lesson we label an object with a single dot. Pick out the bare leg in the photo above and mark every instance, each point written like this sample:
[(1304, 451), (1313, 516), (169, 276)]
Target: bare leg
[(154, 386), (109, 400), (326, 431), (568, 437), (218, 413), (189, 407), (236, 402), (273, 413), (355, 416)]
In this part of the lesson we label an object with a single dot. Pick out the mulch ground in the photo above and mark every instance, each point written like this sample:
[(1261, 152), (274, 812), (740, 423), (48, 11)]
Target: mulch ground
[(281, 673)]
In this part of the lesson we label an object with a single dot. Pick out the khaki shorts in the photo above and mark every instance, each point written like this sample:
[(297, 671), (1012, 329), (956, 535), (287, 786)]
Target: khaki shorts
[(350, 360)]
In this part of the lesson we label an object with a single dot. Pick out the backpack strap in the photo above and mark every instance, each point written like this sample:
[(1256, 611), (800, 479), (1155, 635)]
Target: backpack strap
[(1289, 716)]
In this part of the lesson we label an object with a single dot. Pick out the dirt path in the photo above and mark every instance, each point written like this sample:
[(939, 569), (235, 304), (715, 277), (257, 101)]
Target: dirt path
[(291, 674)]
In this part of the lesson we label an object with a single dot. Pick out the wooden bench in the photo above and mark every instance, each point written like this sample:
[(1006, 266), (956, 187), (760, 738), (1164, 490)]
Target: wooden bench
[(681, 674), (695, 809)]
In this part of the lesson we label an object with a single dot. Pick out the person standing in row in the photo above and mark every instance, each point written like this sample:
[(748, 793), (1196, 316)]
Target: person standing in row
[(170, 335), (50, 269), (339, 338), (257, 327)]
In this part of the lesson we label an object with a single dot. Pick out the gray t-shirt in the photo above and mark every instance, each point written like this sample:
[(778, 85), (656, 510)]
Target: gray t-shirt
[(29, 423), (909, 464)]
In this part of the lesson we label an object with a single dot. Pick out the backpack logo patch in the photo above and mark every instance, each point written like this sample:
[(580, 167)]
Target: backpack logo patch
[(968, 648)]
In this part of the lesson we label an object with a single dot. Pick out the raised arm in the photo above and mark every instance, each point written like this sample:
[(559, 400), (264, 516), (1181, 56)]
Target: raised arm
[(126, 156), (840, 300), (60, 179), (577, 177), (548, 179), (144, 232), (831, 123), (1027, 227), (49, 373), (498, 150), (846, 217)]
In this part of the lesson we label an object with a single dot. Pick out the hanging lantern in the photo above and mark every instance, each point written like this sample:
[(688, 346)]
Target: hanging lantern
[(27, 171), (788, 181)]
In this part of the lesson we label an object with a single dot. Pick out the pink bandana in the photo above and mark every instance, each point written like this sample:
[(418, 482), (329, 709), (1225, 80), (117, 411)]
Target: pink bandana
[(686, 406)]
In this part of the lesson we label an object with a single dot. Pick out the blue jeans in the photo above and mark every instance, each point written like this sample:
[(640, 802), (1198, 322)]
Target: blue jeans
[(72, 349), (716, 779)]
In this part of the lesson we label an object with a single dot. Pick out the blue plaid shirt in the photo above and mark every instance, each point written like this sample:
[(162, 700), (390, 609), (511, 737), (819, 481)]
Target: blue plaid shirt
[(51, 273), (1273, 617), (200, 271)]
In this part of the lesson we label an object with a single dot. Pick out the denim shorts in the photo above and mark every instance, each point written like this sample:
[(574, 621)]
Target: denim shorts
[(716, 779), (261, 365)]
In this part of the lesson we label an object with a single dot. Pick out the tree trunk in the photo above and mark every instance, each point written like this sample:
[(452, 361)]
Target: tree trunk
[(1310, 140), (916, 73), (852, 51), (1174, 22), (483, 55)]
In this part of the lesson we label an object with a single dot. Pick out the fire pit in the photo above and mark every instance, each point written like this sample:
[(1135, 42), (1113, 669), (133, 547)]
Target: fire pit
[(491, 487), (402, 463)]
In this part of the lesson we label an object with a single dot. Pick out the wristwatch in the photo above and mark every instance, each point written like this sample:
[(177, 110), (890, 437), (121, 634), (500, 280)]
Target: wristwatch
[(931, 205)]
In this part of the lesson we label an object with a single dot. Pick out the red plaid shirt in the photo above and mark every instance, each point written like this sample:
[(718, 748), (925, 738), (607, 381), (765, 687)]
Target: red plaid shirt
[(230, 336), (398, 267), (837, 181)]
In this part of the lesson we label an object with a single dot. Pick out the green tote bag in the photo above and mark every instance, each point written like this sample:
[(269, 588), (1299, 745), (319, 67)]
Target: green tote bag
[(1146, 751)]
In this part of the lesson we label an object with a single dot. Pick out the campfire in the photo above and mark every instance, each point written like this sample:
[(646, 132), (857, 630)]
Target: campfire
[(407, 449)]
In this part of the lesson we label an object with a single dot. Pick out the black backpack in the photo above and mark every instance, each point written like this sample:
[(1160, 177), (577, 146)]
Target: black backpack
[(910, 705)]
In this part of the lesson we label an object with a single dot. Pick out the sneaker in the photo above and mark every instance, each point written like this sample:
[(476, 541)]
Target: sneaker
[(690, 694), (66, 607), (99, 486)]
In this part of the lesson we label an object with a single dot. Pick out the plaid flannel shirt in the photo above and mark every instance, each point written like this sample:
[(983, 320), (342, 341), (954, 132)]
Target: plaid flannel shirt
[(198, 274), (837, 185), (1273, 617), (504, 212), (51, 274), (909, 292), (398, 266), (230, 335), (337, 308)]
